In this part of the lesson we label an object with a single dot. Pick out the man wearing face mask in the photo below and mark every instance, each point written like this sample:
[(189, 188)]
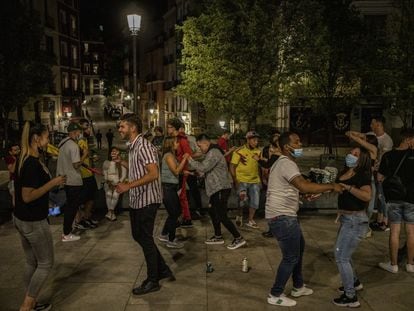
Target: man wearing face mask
[(68, 164), (284, 185)]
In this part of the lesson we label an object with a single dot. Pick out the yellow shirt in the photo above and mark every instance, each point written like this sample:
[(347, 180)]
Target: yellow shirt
[(246, 171), (83, 145)]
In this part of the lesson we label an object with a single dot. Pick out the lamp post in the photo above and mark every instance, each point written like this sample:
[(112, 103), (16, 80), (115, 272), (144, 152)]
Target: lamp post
[(134, 24), (222, 123)]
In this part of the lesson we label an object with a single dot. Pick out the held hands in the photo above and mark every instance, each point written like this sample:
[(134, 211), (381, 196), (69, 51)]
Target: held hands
[(346, 187), (122, 187), (186, 157), (337, 188)]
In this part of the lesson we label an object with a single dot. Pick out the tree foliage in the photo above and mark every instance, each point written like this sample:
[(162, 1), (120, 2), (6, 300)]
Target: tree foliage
[(230, 57), (326, 51), (398, 60), (25, 70)]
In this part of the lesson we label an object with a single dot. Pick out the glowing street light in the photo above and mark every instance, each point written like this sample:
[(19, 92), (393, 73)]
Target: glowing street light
[(134, 24)]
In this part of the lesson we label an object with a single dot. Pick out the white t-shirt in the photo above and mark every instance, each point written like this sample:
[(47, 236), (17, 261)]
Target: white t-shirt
[(384, 144), (69, 153), (282, 198)]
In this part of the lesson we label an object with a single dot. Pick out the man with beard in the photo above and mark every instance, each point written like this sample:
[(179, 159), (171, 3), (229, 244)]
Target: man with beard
[(145, 197), (11, 159)]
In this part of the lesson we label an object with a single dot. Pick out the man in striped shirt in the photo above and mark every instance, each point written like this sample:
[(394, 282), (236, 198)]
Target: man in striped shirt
[(144, 199)]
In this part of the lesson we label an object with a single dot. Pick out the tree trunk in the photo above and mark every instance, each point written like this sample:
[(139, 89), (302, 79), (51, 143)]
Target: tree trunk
[(38, 119)]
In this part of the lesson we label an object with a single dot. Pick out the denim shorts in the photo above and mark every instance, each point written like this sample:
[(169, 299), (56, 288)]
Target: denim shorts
[(253, 193), (401, 212)]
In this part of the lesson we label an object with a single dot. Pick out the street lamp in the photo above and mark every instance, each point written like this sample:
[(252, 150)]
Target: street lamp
[(184, 117), (134, 24), (222, 123), (151, 110)]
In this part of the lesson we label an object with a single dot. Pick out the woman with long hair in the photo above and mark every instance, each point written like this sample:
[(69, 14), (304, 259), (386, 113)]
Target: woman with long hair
[(355, 180), (33, 183), (114, 173), (170, 169)]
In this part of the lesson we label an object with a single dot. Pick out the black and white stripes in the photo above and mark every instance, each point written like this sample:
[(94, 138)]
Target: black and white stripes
[(142, 153)]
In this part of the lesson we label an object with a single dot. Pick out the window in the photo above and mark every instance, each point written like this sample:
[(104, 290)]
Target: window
[(73, 26), (75, 55), (63, 49), (75, 82), (86, 48), (49, 46), (62, 17), (65, 80), (86, 68), (95, 69)]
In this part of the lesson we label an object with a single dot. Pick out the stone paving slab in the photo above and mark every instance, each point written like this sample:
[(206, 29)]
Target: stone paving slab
[(99, 271)]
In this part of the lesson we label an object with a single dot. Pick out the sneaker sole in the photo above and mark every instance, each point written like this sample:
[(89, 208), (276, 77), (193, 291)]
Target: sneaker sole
[(174, 247), (70, 240), (296, 295), (214, 243), (349, 305), (269, 301), (162, 240), (238, 245)]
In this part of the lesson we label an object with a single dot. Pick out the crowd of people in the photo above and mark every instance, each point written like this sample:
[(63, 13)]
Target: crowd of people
[(168, 168)]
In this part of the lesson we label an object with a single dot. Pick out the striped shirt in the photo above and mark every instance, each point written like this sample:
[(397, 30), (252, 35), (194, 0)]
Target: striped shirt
[(142, 153)]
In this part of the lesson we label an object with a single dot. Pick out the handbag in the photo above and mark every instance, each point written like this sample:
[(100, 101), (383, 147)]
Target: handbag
[(393, 187)]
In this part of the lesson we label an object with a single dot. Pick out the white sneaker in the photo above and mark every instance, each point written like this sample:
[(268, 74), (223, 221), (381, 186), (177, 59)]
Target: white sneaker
[(108, 215), (163, 238), (174, 244), (70, 237), (282, 301), (113, 216), (303, 291), (409, 267), (387, 266), (252, 224)]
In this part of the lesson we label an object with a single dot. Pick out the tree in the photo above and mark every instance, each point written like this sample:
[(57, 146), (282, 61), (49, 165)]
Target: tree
[(25, 71), (325, 52), (230, 57), (114, 73), (398, 62)]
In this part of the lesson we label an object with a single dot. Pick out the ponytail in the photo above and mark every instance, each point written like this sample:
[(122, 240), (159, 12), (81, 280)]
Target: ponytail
[(29, 130)]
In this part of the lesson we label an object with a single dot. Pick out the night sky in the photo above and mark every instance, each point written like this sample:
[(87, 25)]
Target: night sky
[(111, 14)]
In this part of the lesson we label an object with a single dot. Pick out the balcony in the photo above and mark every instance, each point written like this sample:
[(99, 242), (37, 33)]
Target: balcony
[(170, 84)]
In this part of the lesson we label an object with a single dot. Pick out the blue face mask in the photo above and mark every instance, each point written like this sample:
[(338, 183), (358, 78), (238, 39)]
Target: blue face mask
[(351, 160), (297, 153)]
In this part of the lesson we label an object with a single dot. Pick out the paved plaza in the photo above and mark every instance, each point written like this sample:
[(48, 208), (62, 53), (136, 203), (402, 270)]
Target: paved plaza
[(99, 271)]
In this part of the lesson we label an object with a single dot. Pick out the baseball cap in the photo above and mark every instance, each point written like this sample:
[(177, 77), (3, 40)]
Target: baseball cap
[(74, 127), (252, 134)]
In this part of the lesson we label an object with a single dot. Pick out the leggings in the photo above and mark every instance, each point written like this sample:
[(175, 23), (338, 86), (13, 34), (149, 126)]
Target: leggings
[(37, 244), (111, 197)]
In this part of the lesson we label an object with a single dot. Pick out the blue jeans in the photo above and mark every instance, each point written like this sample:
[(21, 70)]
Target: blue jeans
[(380, 199), (287, 231), (352, 230)]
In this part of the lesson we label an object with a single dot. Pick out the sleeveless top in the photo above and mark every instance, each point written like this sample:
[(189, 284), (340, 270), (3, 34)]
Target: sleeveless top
[(166, 175)]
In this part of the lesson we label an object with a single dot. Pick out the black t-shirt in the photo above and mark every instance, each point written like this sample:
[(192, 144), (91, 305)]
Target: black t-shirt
[(32, 175), (349, 202), (389, 163)]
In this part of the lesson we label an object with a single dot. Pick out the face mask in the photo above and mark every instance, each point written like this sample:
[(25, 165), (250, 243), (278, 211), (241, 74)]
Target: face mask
[(351, 160), (297, 153)]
